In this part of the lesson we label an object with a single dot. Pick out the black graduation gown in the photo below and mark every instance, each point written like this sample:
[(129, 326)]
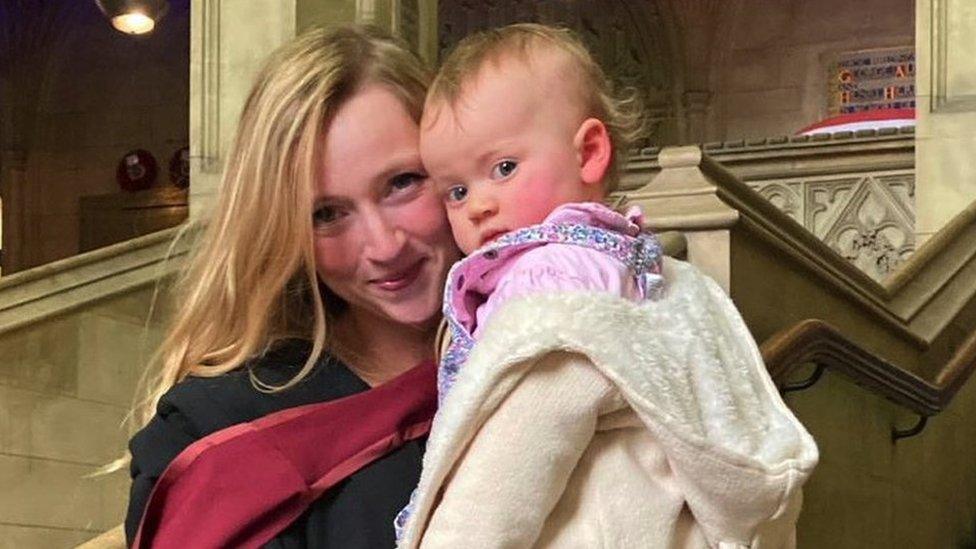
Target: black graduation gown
[(357, 513)]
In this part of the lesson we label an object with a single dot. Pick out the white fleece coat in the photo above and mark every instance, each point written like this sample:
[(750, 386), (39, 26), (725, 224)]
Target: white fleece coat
[(586, 420)]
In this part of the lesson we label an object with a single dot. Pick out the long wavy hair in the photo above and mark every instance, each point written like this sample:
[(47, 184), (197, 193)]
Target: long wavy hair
[(251, 279)]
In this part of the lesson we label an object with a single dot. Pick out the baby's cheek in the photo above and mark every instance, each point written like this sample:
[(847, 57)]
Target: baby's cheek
[(462, 231), (533, 206)]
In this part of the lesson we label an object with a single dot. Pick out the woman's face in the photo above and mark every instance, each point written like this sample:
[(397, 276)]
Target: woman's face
[(382, 241)]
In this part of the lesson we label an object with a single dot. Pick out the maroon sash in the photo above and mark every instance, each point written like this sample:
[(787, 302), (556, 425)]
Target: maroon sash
[(241, 486)]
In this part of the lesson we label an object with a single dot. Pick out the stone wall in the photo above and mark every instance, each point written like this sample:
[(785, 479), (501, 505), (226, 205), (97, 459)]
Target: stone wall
[(769, 75), (65, 386), (868, 492), (946, 112)]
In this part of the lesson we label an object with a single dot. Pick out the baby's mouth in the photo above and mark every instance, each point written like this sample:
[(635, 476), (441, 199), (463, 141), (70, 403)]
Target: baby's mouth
[(491, 236)]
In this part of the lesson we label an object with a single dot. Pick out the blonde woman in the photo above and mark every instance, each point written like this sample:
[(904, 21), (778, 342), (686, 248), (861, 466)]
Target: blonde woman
[(296, 385)]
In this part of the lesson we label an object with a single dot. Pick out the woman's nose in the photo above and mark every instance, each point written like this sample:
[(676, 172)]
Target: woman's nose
[(384, 239)]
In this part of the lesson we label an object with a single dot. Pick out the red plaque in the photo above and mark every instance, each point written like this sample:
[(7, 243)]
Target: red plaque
[(137, 170)]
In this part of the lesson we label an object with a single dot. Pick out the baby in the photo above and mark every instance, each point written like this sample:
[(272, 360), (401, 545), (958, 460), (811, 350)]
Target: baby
[(592, 394)]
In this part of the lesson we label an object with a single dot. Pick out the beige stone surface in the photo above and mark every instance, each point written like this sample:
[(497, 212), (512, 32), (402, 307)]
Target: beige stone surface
[(53, 494), (41, 359), (111, 355), (946, 113), (60, 427), (869, 492), (14, 536), (66, 384), (224, 58), (311, 13)]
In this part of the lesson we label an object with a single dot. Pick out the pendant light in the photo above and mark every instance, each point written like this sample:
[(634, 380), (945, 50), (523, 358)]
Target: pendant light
[(134, 16)]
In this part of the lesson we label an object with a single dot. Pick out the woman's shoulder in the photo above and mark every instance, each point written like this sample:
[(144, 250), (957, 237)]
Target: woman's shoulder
[(198, 406), (230, 396)]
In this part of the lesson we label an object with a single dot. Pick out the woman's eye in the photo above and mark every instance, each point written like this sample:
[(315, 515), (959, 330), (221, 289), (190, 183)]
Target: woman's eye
[(404, 181), (457, 193), (325, 215), (503, 169)]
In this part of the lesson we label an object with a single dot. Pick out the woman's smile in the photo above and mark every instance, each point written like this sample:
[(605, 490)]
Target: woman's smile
[(397, 281)]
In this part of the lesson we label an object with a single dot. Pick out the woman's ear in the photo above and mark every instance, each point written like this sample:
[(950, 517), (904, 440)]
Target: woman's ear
[(594, 150)]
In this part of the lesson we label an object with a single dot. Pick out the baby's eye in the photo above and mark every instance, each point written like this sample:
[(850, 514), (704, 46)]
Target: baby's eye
[(457, 193), (503, 169)]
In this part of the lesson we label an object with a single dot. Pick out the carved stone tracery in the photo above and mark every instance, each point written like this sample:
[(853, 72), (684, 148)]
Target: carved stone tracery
[(867, 218)]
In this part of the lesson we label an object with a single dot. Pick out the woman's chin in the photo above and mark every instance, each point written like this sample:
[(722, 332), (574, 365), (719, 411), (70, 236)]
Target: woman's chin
[(421, 314), (418, 305)]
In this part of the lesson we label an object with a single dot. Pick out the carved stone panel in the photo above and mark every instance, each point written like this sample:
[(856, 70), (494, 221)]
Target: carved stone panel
[(628, 38), (867, 218)]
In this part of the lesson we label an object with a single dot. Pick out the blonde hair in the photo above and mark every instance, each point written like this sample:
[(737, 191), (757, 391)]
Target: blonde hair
[(619, 111), (252, 279)]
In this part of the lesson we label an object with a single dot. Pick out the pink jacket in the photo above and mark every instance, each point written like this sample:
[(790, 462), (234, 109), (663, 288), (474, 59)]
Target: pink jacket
[(551, 267), (578, 247)]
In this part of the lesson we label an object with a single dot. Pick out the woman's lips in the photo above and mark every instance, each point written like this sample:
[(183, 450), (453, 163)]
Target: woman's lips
[(399, 280)]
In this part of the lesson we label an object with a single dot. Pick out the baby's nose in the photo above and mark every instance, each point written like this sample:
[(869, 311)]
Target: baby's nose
[(481, 207)]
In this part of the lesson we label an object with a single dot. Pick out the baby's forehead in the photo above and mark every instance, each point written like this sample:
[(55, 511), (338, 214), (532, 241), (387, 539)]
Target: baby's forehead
[(545, 67), (536, 73)]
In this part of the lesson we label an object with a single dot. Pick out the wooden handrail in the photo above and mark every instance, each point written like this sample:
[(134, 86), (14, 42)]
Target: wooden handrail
[(815, 341)]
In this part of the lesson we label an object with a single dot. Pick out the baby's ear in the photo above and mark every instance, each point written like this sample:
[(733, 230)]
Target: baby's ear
[(594, 150)]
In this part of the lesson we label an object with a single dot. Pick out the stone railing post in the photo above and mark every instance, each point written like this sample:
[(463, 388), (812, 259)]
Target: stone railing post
[(682, 198)]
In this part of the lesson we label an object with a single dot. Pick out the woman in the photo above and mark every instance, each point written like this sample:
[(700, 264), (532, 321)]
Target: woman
[(317, 282)]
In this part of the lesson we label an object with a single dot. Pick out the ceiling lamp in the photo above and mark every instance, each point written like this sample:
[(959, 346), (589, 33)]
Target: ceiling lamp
[(134, 16)]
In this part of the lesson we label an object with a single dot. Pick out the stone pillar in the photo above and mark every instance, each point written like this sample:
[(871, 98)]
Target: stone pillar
[(946, 112), (700, 39), (427, 33), (230, 40)]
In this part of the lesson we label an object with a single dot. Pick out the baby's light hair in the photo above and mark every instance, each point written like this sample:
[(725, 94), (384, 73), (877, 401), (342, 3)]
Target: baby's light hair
[(620, 111)]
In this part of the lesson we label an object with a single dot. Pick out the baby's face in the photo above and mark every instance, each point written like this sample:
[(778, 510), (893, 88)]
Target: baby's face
[(503, 157)]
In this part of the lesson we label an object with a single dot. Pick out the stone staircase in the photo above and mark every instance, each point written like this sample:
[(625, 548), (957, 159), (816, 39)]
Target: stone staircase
[(859, 360)]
